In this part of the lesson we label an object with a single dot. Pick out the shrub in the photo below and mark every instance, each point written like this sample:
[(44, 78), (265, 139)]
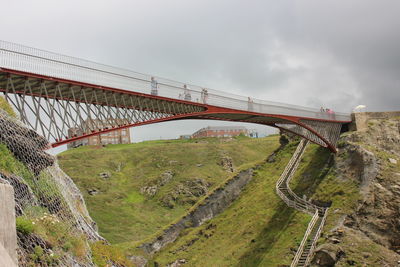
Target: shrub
[(24, 225), (103, 254), (40, 257), (341, 144)]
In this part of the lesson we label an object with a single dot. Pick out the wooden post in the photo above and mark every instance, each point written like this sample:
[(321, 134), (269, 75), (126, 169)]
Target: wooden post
[(8, 233)]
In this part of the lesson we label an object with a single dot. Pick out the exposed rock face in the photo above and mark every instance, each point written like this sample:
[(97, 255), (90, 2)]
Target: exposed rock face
[(186, 193), (378, 215), (357, 164), (165, 178), (227, 163), (26, 145), (212, 206), (149, 190), (364, 156), (152, 188)]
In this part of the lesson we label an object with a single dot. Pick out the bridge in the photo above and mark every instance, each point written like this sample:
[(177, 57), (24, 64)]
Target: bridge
[(66, 99)]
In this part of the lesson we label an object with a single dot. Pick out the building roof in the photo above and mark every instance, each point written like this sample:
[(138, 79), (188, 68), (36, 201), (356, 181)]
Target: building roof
[(221, 128), (224, 128)]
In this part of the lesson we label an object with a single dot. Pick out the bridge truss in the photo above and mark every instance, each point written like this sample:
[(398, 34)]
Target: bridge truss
[(66, 99)]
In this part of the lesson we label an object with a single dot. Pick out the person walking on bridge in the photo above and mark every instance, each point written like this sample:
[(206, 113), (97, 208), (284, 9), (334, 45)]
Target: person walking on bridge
[(154, 86), (204, 96), (186, 93), (249, 104)]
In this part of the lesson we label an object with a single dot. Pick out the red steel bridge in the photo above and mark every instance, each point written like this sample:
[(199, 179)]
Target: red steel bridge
[(65, 99)]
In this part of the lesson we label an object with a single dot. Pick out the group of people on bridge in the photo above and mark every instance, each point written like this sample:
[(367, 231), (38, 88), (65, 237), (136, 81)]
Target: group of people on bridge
[(186, 95), (330, 112)]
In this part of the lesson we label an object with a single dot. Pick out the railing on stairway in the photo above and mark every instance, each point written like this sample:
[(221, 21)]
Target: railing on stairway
[(317, 236), (294, 201), (304, 241)]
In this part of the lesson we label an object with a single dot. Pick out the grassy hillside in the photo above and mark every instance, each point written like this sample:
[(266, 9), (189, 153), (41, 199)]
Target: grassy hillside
[(258, 229), (122, 211)]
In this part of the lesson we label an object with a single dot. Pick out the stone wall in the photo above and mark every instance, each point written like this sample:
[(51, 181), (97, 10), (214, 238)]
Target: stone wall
[(360, 119)]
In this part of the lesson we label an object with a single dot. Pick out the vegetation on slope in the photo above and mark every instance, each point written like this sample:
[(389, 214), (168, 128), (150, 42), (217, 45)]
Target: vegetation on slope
[(6, 107), (37, 226), (316, 178), (123, 211), (257, 229)]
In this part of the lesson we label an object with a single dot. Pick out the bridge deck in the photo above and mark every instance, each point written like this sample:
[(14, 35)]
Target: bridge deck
[(88, 75)]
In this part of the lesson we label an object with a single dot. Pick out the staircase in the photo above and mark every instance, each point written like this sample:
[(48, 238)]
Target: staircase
[(313, 232)]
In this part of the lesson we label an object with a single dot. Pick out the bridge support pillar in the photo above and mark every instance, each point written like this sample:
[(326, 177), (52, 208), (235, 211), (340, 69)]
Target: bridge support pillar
[(8, 233)]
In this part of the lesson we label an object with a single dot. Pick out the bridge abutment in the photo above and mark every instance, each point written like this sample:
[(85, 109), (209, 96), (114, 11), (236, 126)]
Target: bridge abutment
[(8, 233), (360, 119)]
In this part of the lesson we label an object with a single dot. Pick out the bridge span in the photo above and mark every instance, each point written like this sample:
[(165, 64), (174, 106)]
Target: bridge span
[(65, 99)]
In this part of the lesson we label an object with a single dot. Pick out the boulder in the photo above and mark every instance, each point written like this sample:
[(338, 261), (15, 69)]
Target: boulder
[(227, 163), (327, 255), (93, 191), (165, 178), (138, 261), (105, 175)]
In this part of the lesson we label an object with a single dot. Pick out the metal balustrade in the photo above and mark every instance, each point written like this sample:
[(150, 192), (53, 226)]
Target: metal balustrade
[(67, 99), (36, 61)]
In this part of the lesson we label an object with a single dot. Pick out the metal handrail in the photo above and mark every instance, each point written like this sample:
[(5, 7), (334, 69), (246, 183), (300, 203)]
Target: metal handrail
[(300, 250), (316, 237), (31, 60), (300, 204)]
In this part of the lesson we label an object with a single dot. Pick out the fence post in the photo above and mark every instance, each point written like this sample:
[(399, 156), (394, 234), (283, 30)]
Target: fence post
[(8, 233)]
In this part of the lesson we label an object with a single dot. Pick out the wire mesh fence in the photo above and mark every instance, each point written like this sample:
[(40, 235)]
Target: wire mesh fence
[(52, 221)]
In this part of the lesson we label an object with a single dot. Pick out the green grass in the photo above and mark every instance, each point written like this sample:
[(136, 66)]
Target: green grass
[(123, 213), (37, 220), (103, 254), (9, 165), (316, 178), (6, 107), (258, 229)]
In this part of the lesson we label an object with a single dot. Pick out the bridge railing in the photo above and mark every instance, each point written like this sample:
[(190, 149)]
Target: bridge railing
[(27, 59)]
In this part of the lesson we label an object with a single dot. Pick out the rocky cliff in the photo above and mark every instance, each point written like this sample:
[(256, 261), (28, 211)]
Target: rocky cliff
[(367, 234)]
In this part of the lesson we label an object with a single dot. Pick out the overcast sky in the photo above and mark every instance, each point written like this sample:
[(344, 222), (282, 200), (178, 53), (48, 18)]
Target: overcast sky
[(335, 54)]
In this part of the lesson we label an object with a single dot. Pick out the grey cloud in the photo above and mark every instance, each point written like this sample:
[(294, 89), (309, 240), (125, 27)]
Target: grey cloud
[(337, 54)]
